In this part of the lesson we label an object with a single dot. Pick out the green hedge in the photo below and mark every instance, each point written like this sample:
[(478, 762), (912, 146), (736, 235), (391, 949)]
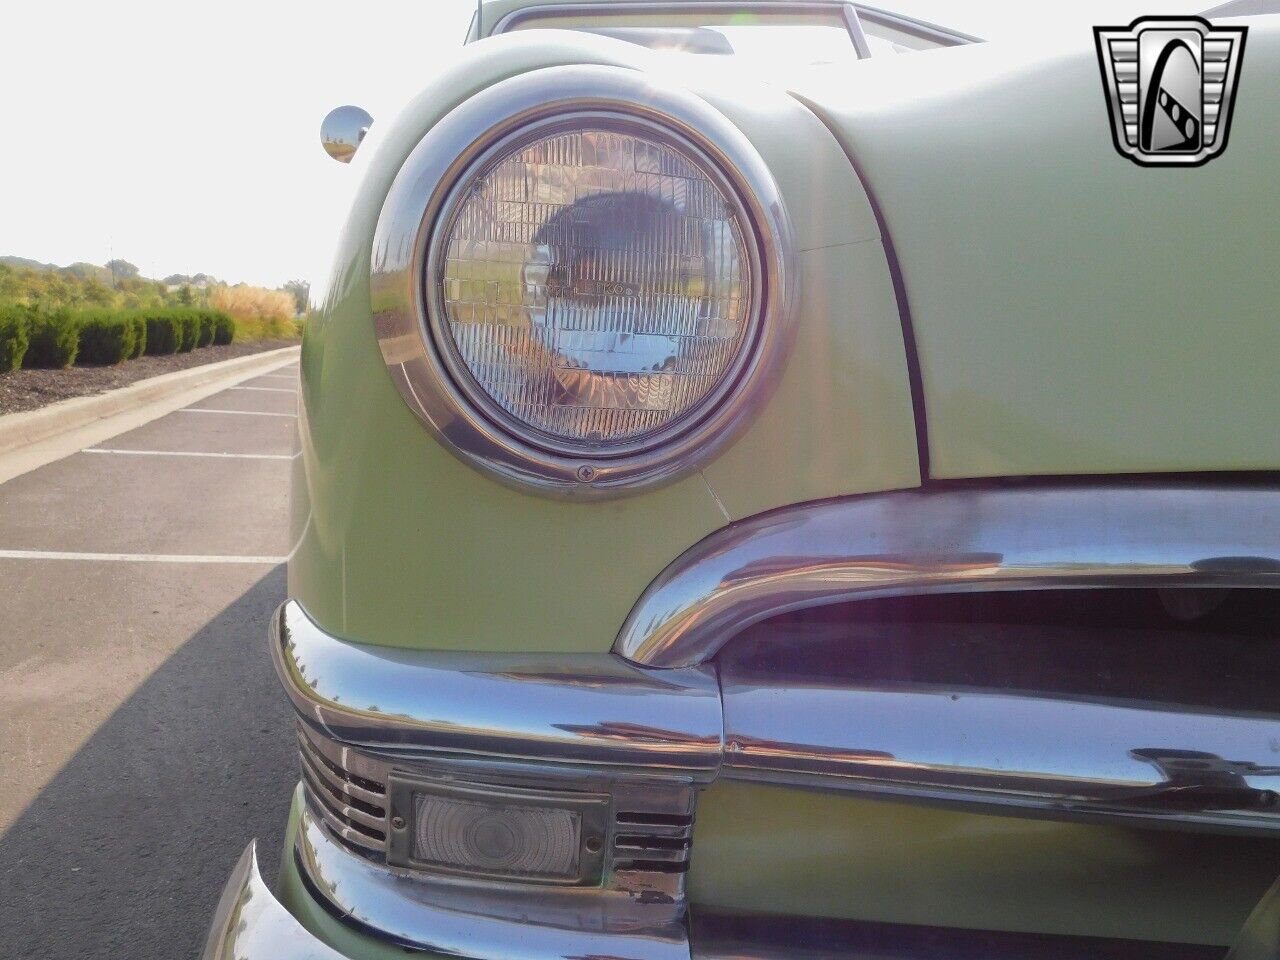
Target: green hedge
[(15, 333), (139, 327), (55, 340), (164, 331), (224, 328), (206, 328), (31, 338), (190, 320), (107, 338)]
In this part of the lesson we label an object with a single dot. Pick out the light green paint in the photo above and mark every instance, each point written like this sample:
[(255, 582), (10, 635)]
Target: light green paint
[(840, 420), (407, 546), (777, 850), (1074, 313)]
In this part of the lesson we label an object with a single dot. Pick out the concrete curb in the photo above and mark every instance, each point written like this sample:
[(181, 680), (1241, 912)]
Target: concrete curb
[(35, 437), (31, 426)]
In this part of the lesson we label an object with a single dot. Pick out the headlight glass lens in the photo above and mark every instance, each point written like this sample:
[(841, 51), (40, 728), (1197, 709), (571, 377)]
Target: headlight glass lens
[(597, 286)]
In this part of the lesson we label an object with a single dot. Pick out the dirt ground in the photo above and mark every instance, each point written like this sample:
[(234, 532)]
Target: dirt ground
[(30, 389)]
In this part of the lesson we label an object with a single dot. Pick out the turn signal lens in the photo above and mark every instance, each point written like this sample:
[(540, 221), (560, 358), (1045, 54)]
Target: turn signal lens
[(496, 839), (597, 288)]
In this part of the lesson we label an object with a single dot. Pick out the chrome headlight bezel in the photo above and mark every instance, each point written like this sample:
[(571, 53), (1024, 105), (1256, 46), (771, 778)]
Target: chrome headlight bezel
[(414, 226)]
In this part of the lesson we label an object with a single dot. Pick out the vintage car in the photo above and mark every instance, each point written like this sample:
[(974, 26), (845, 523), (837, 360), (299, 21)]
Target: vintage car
[(789, 480)]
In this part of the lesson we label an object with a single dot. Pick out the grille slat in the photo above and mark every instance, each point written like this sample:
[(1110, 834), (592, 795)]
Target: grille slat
[(343, 831), (358, 815), (653, 848), (356, 819), (368, 800), (353, 805), (651, 866), (339, 761), (651, 843)]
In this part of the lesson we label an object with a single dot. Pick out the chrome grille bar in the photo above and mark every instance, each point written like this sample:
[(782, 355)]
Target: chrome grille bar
[(1057, 756), (952, 541)]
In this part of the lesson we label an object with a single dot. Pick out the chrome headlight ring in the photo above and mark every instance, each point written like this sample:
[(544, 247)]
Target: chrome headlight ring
[(408, 307)]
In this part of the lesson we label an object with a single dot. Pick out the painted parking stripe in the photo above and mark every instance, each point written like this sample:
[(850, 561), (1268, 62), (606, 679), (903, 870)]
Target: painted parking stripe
[(265, 389), (193, 453), (243, 413), (135, 557)]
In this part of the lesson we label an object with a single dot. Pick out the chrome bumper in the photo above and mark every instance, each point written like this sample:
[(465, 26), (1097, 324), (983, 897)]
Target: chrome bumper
[(251, 924), (460, 919), (1122, 761), (655, 719)]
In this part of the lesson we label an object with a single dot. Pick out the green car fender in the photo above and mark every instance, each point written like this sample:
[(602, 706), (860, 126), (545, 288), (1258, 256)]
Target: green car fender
[(400, 543)]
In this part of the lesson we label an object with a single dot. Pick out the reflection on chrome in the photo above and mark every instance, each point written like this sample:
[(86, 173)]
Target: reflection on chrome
[(1067, 755), (1107, 759), (596, 709), (459, 918), (949, 541), (343, 130), (250, 924)]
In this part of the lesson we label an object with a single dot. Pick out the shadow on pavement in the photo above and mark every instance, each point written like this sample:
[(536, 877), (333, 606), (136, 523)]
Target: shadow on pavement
[(125, 852)]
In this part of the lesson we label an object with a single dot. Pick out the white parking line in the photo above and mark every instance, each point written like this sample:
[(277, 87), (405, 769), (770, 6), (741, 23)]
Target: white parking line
[(192, 453), (134, 557), (246, 413), (265, 389)]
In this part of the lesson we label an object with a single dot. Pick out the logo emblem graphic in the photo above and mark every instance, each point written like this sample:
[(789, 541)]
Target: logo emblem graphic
[(1170, 84)]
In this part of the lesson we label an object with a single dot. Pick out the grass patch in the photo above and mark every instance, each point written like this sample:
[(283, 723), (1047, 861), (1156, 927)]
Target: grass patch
[(264, 328)]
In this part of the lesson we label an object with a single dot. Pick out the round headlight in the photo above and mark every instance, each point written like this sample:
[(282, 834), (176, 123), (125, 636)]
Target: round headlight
[(582, 280), (596, 286)]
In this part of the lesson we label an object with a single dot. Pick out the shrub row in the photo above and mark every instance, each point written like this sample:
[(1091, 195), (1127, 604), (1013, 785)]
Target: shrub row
[(32, 339), (15, 337)]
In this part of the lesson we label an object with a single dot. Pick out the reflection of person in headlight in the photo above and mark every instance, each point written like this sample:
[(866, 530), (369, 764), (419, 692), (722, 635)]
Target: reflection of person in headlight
[(619, 296)]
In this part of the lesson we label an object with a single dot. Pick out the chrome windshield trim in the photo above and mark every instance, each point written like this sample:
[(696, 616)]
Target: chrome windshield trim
[(951, 541), (455, 918), (841, 11), (852, 13), (592, 709)]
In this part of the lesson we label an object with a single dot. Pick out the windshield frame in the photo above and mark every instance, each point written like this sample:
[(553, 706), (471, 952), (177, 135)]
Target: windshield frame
[(851, 15)]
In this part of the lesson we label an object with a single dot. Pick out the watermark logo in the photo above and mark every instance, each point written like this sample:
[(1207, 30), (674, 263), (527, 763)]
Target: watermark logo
[(1170, 84)]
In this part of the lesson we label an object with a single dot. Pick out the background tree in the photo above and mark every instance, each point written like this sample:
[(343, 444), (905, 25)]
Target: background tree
[(121, 270), (301, 292)]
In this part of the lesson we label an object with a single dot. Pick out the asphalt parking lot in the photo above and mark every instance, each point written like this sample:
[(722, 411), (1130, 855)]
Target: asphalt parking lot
[(143, 737)]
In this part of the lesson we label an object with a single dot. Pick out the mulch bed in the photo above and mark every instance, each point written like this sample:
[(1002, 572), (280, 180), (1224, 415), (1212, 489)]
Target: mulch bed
[(30, 389)]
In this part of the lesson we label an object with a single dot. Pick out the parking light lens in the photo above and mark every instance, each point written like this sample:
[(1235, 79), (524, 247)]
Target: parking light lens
[(465, 835)]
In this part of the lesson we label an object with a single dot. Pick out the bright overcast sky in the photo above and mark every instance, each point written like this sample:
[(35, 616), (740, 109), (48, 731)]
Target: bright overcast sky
[(185, 137)]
